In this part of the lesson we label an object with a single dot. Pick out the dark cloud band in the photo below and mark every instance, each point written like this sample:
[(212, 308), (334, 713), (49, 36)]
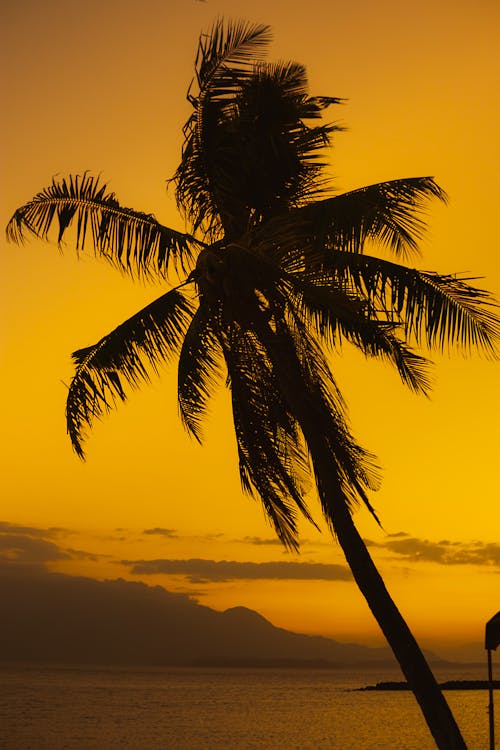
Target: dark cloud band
[(444, 552), (199, 570)]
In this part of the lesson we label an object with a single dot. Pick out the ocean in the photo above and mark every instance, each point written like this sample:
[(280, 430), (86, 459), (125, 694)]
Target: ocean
[(85, 708)]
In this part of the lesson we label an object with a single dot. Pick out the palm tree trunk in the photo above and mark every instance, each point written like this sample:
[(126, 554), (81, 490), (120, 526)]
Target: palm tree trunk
[(421, 680)]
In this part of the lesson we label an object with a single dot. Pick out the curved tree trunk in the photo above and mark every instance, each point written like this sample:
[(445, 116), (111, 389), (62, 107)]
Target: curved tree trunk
[(413, 664), (421, 680)]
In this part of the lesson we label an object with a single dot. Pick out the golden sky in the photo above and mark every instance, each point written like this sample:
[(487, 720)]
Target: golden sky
[(100, 86)]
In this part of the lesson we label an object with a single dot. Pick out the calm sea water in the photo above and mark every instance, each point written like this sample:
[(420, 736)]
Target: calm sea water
[(82, 708)]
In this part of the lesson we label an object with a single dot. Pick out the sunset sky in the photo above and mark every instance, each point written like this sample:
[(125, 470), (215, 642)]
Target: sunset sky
[(101, 86)]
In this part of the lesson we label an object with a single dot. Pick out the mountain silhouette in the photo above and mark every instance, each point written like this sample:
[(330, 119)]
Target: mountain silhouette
[(72, 619)]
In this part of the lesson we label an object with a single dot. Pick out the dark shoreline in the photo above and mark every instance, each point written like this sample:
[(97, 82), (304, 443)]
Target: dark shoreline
[(449, 685)]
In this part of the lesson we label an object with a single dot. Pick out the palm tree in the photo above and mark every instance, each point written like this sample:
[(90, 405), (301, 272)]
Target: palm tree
[(274, 273)]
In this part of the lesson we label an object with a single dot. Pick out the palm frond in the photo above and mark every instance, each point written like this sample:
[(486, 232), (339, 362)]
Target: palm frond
[(227, 54), (247, 149), (336, 316), (329, 310), (193, 195), (322, 303), (281, 154), (456, 313), (134, 242), (224, 59), (439, 310), (380, 341), (199, 370), (121, 358), (356, 467), (307, 386), (271, 455), (388, 213)]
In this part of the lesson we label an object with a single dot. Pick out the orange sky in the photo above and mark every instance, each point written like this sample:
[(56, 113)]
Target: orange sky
[(101, 86)]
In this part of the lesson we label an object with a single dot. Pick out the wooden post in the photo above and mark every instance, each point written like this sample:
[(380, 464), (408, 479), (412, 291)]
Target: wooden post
[(491, 711)]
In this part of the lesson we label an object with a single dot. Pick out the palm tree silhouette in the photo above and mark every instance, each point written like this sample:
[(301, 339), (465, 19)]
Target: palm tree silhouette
[(274, 272)]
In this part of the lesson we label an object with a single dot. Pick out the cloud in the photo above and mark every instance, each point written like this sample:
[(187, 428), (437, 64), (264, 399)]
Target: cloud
[(204, 571), (12, 528), (28, 545), (444, 552), (260, 541), (174, 534), (171, 533), (81, 554), (17, 548)]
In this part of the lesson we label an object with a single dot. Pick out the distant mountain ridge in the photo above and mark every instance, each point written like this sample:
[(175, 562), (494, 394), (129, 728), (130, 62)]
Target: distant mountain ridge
[(70, 619)]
